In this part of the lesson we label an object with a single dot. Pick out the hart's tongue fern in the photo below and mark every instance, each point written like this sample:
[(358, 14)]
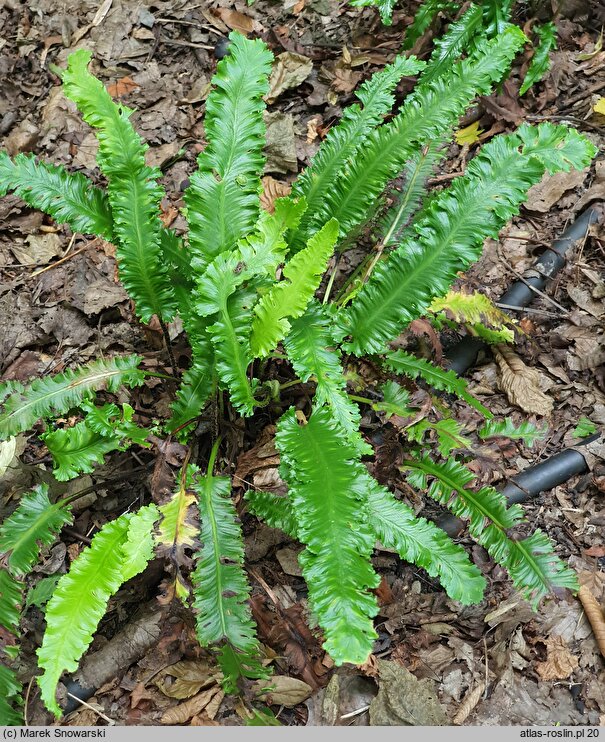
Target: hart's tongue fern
[(245, 283)]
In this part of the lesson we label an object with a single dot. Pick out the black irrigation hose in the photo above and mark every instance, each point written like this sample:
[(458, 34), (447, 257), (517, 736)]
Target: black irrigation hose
[(463, 355), (562, 466)]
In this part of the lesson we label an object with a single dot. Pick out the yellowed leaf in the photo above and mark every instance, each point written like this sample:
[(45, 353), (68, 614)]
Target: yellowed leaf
[(520, 383), (559, 663), (599, 106), (469, 135)]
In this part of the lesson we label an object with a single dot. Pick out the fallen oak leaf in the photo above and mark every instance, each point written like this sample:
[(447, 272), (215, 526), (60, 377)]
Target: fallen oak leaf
[(520, 383)]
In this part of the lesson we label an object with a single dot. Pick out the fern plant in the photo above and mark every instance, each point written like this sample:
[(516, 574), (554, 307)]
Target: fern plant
[(222, 280)]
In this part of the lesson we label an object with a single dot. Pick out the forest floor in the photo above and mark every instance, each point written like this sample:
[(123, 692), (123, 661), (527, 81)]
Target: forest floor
[(60, 304)]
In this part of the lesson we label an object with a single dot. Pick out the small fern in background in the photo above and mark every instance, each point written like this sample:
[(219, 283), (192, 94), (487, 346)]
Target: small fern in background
[(222, 282)]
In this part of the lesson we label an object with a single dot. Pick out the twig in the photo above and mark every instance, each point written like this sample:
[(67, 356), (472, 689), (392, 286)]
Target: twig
[(584, 94), (529, 310), (358, 711), (68, 256), (111, 722), (26, 703)]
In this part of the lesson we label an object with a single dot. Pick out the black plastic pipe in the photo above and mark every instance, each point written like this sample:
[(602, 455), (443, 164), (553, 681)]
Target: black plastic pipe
[(461, 356), (530, 482)]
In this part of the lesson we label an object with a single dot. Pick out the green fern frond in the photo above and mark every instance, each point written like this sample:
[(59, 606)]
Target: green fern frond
[(108, 420), (197, 385), (257, 255), (385, 8), (11, 597), (531, 562), (10, 693), (312, 353), (35, 523), (421, 542), (496, 16), (409, 365), (405, 202), (448, 431), (329, 502), (69, 198), (78, 450), (220, 587), (236, 664), (506, 428), (476, 310), (56, 395), (344, 141), (557, 147), (395, 400), (134, 193), (230, 336), (80, 601), (449, 235), (223, 196), (289, 298), (540, 62), (428, 114), (427, 12), (461, 36), (275, 510), (138, 550)]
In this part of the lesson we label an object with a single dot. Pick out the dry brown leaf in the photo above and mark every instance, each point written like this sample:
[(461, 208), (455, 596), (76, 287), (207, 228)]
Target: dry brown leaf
[(545, 194), (471, 699), (595, 616), (238, 21), (286, 691), (190, 676), (272, 190), (312, 125), (123, 86), (184, 711), (521, 383), (289, 72), (559, 663)]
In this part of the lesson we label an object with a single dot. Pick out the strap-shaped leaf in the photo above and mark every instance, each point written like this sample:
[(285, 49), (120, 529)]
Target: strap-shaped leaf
[(421, 542), (428, 114), (425, 15), (139, 547), (405, 363), (312, 352), (344, 141), (11, 597), (77, 450), (329, 502), (525, 431), (449, 236), (223, 196), (55, 395), (10, 693), (196, 387), (81, 596), (540, 62), (35, 523), (531, 562), (134, 193), (289, 298), (461, 36), (275, 510), (70, 198), (220, 586)]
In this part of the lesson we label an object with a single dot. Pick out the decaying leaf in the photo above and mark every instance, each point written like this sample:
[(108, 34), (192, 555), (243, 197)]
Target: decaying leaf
[(284, 691), (290, 71), (7, 453), (272, 190), (559, 663), (190, 676), (545, 194), (404, 700), (184, 711), (469, 135), (521, 383), (599, 106)]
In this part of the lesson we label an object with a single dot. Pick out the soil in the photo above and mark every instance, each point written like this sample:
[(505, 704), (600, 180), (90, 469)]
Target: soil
[(496, 663)]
